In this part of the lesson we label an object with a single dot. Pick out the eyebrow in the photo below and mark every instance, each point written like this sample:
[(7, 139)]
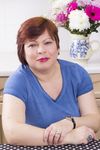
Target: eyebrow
[(34, 40)]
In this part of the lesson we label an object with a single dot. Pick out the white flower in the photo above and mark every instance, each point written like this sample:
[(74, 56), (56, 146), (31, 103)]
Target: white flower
[(78, 20), (60, 4)]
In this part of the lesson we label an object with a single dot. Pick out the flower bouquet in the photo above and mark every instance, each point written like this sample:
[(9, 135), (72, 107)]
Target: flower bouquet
[(80, 18)]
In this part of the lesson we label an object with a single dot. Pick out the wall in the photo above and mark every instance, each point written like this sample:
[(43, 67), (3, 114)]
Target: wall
[(12, 14)]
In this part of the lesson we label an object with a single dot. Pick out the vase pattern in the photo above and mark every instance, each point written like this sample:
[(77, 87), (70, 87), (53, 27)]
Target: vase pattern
[(79, 48)]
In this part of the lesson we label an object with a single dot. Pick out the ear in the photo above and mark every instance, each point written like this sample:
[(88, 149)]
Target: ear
[(58, 51)]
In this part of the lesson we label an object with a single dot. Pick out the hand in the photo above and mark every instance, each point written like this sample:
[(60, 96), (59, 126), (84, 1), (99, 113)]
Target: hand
[(56, 132), (80, 135)]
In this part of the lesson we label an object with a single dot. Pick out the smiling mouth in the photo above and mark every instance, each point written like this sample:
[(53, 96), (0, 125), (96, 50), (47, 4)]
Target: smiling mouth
[(43, 59)]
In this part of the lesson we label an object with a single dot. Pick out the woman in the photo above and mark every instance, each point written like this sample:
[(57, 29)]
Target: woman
[(47, 100)]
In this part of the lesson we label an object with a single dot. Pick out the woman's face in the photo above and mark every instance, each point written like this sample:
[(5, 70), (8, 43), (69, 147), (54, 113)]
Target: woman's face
[(41, 53)]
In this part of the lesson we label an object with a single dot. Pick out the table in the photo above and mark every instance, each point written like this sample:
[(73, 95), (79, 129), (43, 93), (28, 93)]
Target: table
[(93, 145)]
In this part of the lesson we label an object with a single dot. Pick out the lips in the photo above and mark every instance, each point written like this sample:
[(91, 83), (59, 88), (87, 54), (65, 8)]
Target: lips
[(45, 59)]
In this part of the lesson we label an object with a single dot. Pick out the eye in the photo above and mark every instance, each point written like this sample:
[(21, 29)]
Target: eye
[(32, 45), (49, 42)]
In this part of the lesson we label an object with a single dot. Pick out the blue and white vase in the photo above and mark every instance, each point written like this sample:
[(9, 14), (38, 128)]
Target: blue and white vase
[(80, 47)]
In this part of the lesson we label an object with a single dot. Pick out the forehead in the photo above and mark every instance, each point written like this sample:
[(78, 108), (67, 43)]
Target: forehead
[(44, 36)]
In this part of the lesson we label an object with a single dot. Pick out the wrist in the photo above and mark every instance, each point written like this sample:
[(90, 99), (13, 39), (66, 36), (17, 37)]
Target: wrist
[(72, 120)]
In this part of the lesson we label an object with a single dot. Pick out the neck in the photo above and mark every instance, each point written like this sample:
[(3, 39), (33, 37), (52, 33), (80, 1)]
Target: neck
[(46, 75)]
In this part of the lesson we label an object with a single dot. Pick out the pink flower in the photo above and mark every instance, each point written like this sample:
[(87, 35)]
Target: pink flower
[(93, 12), (83, 2), (96, 3), (72, 6), (61, 17)]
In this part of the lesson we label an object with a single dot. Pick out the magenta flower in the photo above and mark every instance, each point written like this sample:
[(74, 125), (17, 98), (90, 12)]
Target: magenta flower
[(72, 6), (61, 17), (93, 12)]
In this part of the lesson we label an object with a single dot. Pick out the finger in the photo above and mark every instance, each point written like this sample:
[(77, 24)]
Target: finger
[(46, 134), (62, 137), (51, 135), (92, 133), (56, 138), (89, 138)]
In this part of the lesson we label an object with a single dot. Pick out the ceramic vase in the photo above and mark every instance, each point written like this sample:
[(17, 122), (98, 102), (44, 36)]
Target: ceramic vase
[(80, 48)]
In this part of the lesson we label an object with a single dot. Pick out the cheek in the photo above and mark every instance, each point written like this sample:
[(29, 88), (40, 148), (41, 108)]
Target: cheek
[(29, 56), (54, 52)]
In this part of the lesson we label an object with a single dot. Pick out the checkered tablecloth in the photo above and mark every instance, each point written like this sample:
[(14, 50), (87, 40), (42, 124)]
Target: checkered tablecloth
[(93, 145)]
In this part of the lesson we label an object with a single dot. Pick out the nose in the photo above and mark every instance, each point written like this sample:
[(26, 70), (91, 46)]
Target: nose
[(40, 49)]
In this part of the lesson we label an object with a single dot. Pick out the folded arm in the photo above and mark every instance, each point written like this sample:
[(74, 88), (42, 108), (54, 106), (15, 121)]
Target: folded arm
[(15, 129), (18, 132), (90, 118)]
